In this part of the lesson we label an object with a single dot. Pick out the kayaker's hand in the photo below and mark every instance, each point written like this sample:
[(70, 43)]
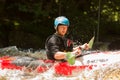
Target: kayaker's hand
[(85, 46), (77, 52)]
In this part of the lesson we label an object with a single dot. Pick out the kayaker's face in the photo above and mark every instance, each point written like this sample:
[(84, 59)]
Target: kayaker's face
[(62, 29)]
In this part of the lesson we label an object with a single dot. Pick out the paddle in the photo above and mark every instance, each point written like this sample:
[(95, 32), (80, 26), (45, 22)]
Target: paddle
[(71, 57), (91, 42)]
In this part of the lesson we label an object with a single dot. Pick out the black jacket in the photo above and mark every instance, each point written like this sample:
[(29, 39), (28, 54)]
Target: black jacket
[(55, 43)]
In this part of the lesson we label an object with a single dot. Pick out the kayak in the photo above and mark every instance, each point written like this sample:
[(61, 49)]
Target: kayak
[(93, 60), (18, 62), (89, 61)]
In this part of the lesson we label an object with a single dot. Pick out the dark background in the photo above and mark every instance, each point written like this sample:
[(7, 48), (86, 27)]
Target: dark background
[(27, 23)]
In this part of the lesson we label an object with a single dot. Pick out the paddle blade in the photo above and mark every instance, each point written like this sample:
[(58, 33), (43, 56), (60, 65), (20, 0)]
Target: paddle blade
[(70, 58), (91, 42)]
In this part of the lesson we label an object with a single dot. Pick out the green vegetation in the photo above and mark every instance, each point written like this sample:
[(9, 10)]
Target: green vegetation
[(27, 23)]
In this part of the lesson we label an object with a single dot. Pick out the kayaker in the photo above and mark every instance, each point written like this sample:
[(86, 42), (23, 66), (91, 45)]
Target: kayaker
[(57, 44)]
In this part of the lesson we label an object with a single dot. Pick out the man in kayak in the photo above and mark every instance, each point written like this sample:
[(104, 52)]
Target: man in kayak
[(57, 45)]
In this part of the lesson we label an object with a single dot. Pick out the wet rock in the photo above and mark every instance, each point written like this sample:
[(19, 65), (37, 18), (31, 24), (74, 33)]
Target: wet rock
[(100, 46), (115, 45)]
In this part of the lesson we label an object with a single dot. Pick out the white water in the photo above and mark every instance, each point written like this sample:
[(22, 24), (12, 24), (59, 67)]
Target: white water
[(97, 74), (110, 71)]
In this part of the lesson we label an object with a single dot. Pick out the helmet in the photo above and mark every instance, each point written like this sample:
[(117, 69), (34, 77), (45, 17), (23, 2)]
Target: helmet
[(61, 20)]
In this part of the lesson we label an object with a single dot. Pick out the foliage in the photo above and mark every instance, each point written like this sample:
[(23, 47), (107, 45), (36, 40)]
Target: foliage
[(36, 18)]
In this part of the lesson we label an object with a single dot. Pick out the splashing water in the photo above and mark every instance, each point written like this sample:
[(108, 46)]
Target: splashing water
[(111, 73), (103, 66)]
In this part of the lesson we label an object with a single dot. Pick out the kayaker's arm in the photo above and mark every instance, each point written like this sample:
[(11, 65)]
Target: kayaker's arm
[(60, 55), (82, 47)]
